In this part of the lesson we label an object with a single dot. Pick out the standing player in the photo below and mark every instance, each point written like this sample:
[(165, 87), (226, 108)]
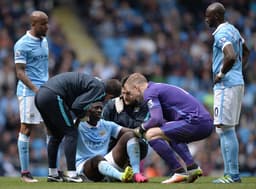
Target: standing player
[(93, 159), (176, 118), (31, 61), (230, 55), (57, 100)]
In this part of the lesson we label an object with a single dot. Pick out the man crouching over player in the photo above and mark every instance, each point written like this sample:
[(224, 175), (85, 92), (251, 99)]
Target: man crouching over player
[(92, 159)]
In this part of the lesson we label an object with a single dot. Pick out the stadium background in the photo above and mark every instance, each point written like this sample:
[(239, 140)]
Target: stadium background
[(167, 40)]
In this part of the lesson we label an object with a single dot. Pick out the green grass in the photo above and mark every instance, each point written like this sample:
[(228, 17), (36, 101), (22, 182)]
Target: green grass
[(201, 183)]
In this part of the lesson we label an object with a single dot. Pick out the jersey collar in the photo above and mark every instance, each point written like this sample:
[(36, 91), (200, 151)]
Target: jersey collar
[(33, 37), (91, 126), (218, 28)]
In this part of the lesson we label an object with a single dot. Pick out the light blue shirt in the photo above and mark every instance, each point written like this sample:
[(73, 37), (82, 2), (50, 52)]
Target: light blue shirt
[(227, 34), (94, 141), (33, 52)]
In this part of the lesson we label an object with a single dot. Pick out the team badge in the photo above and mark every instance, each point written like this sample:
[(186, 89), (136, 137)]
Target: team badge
[(150, 104), (223, 40), (102, 132), (17, 54)]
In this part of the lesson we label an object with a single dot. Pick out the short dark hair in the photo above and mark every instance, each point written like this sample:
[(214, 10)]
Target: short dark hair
[(124, 79), (113, 87)]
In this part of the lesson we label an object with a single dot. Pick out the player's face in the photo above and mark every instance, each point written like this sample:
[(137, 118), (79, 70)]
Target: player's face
[(210, 18), (41, 27), (95, 111), (132, 94), (127, 97)]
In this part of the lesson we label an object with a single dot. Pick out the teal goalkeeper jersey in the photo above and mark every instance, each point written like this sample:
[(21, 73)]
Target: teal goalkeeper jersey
[(33, 52)]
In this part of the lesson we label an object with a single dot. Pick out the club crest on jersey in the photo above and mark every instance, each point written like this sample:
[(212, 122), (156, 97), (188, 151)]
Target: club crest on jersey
[(150, 104), (223, 40), (102, 132), (17, 54)]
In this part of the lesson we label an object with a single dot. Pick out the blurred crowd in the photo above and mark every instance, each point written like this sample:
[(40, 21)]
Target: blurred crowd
[(167, 40)]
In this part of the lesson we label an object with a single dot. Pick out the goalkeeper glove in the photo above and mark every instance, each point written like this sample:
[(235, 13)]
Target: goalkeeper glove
[(139, 131)]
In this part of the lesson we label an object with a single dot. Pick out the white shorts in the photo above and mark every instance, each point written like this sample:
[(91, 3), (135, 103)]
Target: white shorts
[(28, 111), (227, 105), (108, 157)]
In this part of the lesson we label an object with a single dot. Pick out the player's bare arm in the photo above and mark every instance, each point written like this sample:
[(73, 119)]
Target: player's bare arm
[(20, 72), (123, 131), (246, 53)]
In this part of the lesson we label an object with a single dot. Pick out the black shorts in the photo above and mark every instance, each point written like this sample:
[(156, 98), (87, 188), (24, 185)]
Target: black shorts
[(54, 112)]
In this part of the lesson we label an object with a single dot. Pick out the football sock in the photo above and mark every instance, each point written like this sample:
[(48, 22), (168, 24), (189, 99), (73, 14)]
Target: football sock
[(232, 152), (71, 173), (165, 152), (224, 152), (182, 150), (53, 171), (133, 151), (23, 148), (107, 169)]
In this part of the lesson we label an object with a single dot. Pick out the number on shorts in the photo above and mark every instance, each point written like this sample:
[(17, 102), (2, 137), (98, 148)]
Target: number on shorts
[(216, 111)]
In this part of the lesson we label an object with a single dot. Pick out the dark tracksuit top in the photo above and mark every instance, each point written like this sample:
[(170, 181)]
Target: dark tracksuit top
[(77, 90), (130, 117)]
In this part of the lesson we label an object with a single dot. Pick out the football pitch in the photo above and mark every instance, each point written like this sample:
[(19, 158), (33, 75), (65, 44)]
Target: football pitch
[(201, 183)]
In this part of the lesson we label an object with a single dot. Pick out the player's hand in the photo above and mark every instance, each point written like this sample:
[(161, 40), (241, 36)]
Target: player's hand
[(217, 79), (35, 90), (139, 131)]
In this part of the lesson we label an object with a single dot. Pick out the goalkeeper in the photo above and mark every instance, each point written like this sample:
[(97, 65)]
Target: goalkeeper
[(176, 118)]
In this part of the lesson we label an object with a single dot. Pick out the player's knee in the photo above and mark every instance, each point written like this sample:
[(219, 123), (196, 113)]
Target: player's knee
[(150, 134), (26, 129), (98, 158), (155, 133), (95, 161), (224, 128), (128, 135)]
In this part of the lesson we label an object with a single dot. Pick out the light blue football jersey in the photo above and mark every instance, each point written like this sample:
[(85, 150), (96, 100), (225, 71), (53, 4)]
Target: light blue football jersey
[(94, 141), (223, 35), (33, 52)]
